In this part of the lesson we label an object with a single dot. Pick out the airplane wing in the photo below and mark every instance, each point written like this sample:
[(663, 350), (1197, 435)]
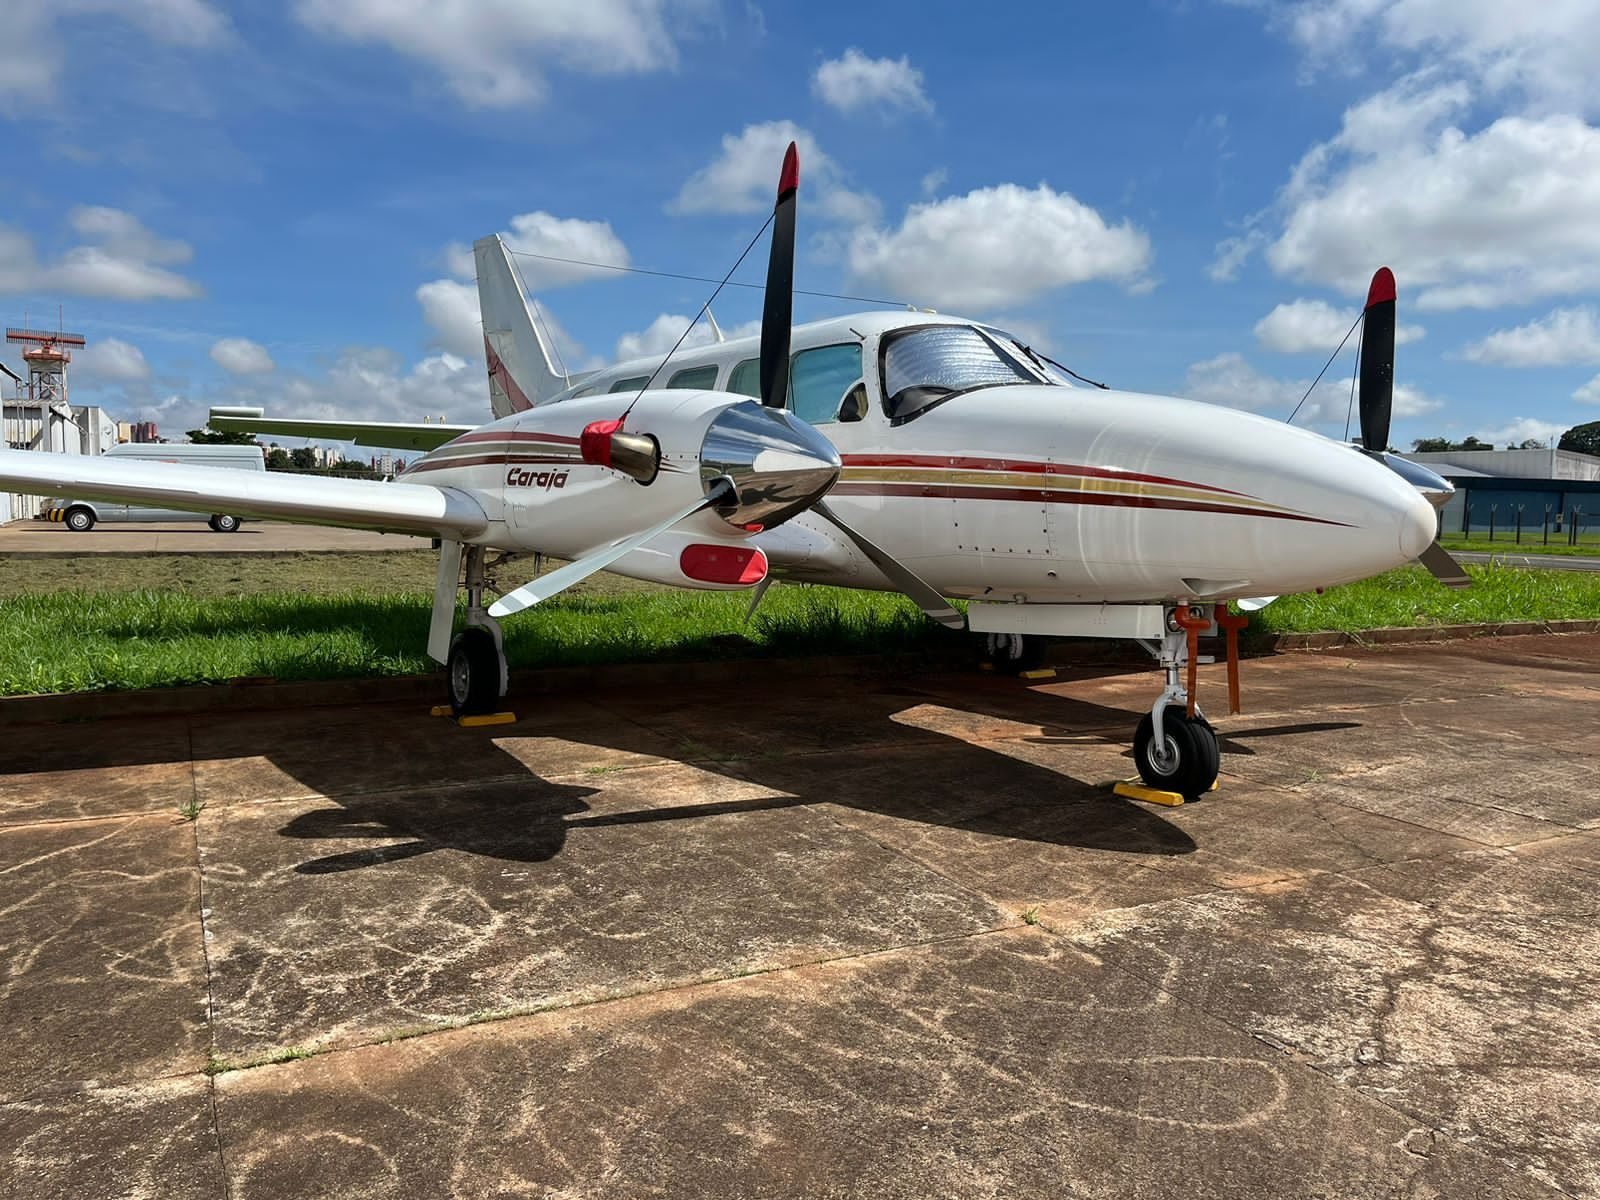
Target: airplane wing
[(390, 435), (416, 508)]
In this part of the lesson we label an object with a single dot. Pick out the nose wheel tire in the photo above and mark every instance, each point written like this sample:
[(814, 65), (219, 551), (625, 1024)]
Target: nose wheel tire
[(1188, 759), (472, 673)]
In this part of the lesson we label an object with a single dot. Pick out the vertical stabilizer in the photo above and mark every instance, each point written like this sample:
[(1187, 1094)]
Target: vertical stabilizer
[(520, 369)]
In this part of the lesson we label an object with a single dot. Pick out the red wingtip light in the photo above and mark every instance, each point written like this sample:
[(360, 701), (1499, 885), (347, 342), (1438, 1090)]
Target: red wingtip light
[(594, 443), (1382, 289), (789, 180)]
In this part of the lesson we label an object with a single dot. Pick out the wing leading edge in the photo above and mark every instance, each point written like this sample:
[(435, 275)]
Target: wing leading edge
[(416, 508), (389, 435)]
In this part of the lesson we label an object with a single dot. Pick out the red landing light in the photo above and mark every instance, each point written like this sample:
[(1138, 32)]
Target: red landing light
[(738, 566), (594, 443)]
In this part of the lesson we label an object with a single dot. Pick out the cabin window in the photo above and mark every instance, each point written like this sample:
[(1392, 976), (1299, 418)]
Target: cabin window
[(922, 367), (629, 385), (746, 379), (819, 379), (695, 378)]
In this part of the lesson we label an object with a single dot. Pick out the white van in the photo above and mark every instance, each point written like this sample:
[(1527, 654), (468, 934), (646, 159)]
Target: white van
[(81, 515)]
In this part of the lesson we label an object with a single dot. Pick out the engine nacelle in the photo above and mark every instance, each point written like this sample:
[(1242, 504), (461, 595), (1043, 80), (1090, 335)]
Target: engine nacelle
[(690, 560)]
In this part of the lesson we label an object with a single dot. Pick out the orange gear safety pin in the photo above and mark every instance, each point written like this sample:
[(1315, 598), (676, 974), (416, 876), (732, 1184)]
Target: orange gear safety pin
[(1232, 624), (1191, 622)]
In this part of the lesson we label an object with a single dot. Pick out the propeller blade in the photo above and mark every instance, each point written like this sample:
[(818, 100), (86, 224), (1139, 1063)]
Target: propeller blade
[(1444, 568), (755, 600), (777, 308), (546, 586), (903, 577), (1377, 362)]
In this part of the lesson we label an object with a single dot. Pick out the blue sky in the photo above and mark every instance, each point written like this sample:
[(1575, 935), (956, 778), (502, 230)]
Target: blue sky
[(266, 203)]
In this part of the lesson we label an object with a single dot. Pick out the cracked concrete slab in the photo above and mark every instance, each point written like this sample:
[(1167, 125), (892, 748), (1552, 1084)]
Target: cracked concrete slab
[(335, 923), (94, 769), (152, 1141), (1001, 1065), (1432, 985), (1325, 979), (102, 974)]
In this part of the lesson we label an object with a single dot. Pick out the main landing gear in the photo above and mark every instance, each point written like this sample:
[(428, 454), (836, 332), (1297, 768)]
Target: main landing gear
[(476, 673), (1174, 745)]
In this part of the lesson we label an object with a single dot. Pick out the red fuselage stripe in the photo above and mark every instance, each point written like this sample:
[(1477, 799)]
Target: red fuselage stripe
[(479, 460), (1041, 496), (1020, 466), (513, 435)]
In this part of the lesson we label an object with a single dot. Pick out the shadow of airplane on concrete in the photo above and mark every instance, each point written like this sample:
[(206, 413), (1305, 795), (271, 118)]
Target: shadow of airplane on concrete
[(891, 749)]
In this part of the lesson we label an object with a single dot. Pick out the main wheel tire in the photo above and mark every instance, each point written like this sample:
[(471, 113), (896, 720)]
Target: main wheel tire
[(472, 672), (997, 653), (79, 520), (223, 523), (1187, 762)]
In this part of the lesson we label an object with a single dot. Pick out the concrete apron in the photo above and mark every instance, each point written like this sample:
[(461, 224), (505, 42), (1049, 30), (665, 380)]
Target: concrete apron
[(846, 936)]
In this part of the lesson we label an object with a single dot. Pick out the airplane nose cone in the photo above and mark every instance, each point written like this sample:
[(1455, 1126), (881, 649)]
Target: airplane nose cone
[(779, 465), (1419, 525)]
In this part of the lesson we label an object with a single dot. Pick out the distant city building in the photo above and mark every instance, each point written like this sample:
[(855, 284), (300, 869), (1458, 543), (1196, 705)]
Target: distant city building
[(124, 431), (144, 432)]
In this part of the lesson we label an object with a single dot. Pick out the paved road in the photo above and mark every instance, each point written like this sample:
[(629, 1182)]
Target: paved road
[(253, 537), (850, 939), (1518, 558)]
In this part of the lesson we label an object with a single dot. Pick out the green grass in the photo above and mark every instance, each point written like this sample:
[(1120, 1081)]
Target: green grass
[(1587, 547), (1412, 597), (78, 640)]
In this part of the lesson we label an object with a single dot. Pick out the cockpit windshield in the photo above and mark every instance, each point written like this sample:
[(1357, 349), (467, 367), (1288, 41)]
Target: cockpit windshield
[(926, 365)]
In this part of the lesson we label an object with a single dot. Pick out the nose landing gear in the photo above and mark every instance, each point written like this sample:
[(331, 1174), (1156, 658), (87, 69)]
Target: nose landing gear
[(1174, 745)]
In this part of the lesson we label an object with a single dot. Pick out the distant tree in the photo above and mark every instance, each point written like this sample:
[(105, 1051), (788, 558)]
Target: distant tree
[(1431, 445), (1472, 443), (210, 437), (303, 458), (1530, 444), (277, 459), (1585, 439)]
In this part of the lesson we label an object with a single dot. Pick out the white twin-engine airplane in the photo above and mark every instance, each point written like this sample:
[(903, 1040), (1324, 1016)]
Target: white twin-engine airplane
[(955, 461)]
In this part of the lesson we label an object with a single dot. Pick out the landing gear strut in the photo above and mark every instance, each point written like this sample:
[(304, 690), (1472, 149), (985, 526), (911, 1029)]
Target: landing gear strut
[(1174, 745), (476, 672)]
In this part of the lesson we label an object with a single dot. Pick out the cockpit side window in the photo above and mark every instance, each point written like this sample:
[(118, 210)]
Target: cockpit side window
[(819, 379), (746, 379), (632, 384), (923, 367)]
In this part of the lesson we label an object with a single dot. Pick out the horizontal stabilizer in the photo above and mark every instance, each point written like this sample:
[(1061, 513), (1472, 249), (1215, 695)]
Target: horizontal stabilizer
[(387, 435), (416, 508)]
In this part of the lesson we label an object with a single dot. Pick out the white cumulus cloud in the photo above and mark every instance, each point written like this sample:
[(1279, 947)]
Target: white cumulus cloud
[(658, 337), (1544, 51), (31, 54), (1563, 337), (119, 259), (997, 247), (241, 356), (1315, 325), (1589, 393), (494, 54), (854, 82), (1230, 380), (1469, 218), (451, 310), (743, 178), (111, 359), (1522, 429)]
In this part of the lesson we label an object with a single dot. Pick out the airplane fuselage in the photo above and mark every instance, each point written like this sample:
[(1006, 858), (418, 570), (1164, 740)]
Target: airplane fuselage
[(1025, 490)]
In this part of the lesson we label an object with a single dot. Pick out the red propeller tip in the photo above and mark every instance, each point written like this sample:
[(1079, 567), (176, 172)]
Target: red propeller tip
[(1382, 289), (789, 180)]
